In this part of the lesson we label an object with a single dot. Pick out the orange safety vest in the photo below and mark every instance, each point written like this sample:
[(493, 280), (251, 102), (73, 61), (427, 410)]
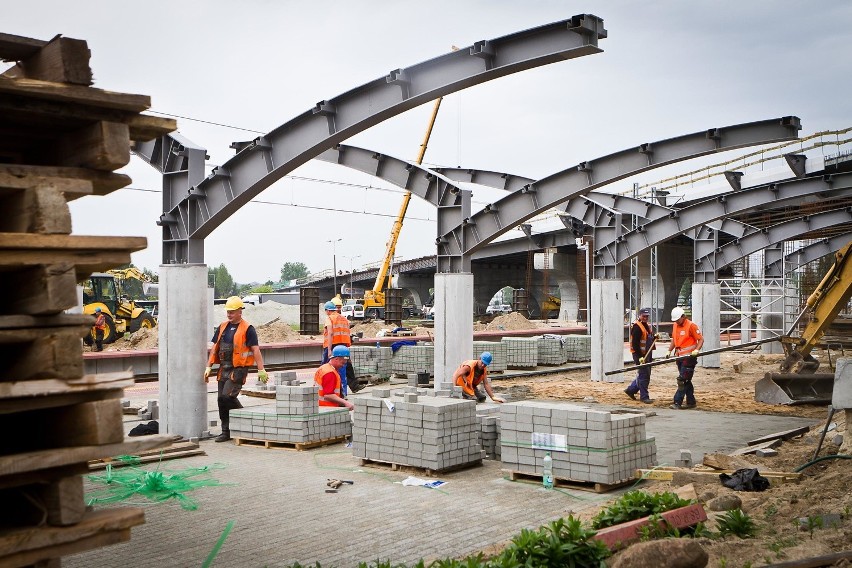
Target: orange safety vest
[(643, 343), (685, 337), (243, 356), (100, 322), (339, 333), (469, 382), (318, 375)]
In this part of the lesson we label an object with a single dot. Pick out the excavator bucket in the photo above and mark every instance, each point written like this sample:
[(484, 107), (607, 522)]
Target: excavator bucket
[(777, 388)]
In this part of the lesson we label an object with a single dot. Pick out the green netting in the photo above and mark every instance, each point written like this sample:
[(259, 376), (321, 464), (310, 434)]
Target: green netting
[(124, 483)]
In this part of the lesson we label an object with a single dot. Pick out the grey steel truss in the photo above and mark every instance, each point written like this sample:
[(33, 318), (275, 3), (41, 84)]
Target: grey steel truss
[(194, 207), (532, 199), (808, 253), (620, 248)]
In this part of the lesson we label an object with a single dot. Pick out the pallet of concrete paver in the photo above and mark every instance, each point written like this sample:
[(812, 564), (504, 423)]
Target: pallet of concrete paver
[(288, 445), (418, 470), (569, 483)]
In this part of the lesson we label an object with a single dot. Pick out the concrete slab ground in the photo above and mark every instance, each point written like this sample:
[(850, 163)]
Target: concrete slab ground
[(282, 514)]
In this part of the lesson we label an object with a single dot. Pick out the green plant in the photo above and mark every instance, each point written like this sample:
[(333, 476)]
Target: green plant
[(635, 505), (770, 512), (813, 522), (563, 542), (736, 522), (657, 527), (781, 543)]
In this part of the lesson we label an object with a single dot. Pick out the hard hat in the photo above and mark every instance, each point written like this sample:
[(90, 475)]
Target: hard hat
[(98, 309), (329, 306), (645, 312), (486, 358), (677, 313), (340, 351), (337, 301), (234, 303)]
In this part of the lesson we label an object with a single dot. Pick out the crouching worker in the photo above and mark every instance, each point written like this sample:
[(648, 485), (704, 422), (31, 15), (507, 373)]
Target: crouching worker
[(327, 378), (472, 376)]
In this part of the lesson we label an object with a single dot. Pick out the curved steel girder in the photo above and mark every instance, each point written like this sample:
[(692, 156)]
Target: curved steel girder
[(775, 234), (261, 162), (809, 253), (614, 251), (530, 200)]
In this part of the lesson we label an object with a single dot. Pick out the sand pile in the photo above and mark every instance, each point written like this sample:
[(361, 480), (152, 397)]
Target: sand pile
[(510, 321), (261, 314), (277, 331)]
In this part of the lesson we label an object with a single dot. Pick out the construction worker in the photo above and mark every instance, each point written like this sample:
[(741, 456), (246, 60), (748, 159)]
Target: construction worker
[(338, 303), (236, 350), (99, 328), (472, 375), (686, 340), (327, 378), (336, 333), (642, 338)]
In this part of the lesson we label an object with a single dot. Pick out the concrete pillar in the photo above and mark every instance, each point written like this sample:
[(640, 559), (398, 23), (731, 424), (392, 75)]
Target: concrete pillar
[(453, 324), (841, 399), (706, 313), (606, 326), (746, 309), (771, 316), (183, 336)]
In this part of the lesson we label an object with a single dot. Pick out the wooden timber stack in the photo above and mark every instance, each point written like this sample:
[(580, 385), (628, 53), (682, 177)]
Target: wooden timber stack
[(60, 139)]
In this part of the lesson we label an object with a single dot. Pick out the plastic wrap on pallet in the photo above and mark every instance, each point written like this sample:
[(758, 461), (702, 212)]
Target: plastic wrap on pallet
[(521, 352), (498, 352), (578, 348), (410, 359), (552, 351), (365, 360)]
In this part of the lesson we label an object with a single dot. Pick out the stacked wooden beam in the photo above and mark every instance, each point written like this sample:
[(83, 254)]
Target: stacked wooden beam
[(61, 140)]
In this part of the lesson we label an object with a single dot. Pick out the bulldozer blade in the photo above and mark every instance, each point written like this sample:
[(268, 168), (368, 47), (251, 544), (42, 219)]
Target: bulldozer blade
[(791, 389)]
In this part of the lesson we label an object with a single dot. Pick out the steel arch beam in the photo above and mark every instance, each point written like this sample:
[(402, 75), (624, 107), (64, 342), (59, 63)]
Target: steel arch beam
[(258, 164), (619, 249), (779, 233), (809, 253), (517, 207)]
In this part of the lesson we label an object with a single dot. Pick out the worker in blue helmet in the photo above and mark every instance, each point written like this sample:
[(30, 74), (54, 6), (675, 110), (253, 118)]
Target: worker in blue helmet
[(327, 378), (472, 377)]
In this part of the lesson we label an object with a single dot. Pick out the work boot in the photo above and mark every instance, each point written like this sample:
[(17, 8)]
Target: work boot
[(690, 405), (223, 437), (675, 407), (630, 394), (648, 400)]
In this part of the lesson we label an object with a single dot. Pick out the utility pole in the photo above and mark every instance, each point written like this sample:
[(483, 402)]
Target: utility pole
[(334, 262)]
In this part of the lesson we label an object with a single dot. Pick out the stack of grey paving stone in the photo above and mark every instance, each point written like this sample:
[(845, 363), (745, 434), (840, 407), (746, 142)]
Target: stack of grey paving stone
[(489, 428), (429, 432), (551, 351), (413, 359), (497, 350), (586, 445), (365, 360), (296, 417), (384, 363), (578, 348), (521, 352)]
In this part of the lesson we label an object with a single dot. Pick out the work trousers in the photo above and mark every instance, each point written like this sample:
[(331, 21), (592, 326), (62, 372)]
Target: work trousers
[(480, 394), (230, 383), (643, 378), (686, 369), (99, 340)]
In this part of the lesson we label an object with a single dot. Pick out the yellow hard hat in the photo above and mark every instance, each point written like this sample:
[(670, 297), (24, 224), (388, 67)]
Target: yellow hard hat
[(337, 301), (234, 303)]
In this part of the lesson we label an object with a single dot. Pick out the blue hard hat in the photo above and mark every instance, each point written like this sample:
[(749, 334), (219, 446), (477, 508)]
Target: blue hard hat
[(97, 309), (340, 351), (329, 306), (486, 358)]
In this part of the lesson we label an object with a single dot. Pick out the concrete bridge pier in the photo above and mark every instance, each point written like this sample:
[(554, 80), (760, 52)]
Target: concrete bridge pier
[(705, 313), (606, 326), (453, 324)]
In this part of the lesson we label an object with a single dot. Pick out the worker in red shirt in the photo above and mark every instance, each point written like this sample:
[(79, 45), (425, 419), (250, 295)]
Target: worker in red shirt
[(686, 340), (327, 378)]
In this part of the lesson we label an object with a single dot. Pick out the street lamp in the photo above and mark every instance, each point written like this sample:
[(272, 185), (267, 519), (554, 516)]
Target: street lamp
[(334, 260), (351, 272)]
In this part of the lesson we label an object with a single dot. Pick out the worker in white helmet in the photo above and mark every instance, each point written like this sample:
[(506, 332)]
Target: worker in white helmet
[(686, 340)]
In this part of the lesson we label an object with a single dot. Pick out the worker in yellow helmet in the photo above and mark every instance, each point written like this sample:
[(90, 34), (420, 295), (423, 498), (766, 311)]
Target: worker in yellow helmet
[(236, 349)]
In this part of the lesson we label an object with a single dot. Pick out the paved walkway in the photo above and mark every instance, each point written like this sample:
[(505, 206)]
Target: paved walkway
[(282, 514)]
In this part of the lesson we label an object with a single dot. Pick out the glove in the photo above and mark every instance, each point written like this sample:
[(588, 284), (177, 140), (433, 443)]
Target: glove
[(641, 360), (695, 353), (671, 353), (207, 372), (262, 376), (656, 336)]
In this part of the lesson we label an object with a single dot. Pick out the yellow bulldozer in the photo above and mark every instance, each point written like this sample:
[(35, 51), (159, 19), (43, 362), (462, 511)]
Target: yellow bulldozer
[(104, 290)]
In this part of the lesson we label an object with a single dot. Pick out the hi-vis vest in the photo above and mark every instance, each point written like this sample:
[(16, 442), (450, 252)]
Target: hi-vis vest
[(468, 383), (318, 375), (339, 330), (242, 357), (100, 322), (685, 337), (643, 343)]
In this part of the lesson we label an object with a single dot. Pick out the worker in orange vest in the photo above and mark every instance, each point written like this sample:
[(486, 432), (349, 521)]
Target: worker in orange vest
[(642, 337), (327, 378), (99, 328), (686, 340), (336, 333), (472, 375)]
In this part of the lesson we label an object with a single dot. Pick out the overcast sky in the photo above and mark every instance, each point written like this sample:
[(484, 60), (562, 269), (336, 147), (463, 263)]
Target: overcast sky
[(668, 68)]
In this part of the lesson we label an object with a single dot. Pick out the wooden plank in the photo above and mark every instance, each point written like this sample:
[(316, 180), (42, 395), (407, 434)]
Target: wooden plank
[(817, 561), (751, 449), (239, 441), (101, 146), (64, 501), (692, 476), (144, 127), (785, 435), (40, 290), (102, 183), (87, 253), (424, 471), (568, 483), (82, 243), (45, 459), (176, 447), (44, 353), (15, 48), (149, 459), (10, 182), (51, 387), (25, 546), (35, 210), (38, 323), (64, 93), (723, 461), (64, 399), (62, 60)]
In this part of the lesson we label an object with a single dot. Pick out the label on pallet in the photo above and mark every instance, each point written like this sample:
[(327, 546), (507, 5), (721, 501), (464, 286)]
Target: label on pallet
[(547, 441)]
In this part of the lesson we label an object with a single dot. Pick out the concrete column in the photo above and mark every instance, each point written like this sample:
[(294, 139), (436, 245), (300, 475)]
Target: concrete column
[(183, 336), (771, 316), (606, 326), (706, 303), (453, 324), (841, 399), (745, 308)]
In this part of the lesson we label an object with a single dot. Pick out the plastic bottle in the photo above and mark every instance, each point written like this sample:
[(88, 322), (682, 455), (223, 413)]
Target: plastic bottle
[(547, 477)]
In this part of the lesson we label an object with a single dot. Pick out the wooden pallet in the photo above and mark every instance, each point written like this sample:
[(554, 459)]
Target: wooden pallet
[(415, 469), (287, 445), (567, 483), (667, 473)]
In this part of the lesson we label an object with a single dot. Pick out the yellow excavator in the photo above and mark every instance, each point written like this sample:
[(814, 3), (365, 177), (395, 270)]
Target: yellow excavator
[(104, 290), (549, 305), (805, 384)]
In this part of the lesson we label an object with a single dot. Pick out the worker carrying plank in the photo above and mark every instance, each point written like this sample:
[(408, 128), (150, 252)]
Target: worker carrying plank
[(686, 340)]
